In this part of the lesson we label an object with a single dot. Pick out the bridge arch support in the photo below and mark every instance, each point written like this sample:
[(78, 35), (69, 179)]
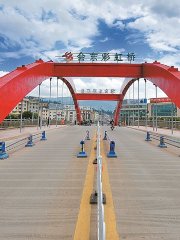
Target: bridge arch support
[(165, 77), (17, 84)]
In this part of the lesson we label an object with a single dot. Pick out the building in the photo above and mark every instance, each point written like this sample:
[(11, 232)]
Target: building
[(54, 110), (165, 108), (130, 109), (21, 105), (33, 104)]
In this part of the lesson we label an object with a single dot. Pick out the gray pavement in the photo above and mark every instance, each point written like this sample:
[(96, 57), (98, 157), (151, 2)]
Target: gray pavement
[(41, 187), (145, 187), (10, 134)]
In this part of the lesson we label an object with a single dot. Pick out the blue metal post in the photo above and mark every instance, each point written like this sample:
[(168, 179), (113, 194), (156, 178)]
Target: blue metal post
[(105, 136), (162, 144), (3, 154), (43, 136), (112, 148), (82, 153), (148, 138), (30, 143), (87, 136)]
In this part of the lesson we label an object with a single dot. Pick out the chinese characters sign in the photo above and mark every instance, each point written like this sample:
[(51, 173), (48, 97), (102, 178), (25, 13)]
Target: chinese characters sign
[(97, 57), (98, 91)]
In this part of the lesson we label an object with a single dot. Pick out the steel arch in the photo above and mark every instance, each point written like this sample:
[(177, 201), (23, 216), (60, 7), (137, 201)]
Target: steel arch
[(165, 77), (17, 84)]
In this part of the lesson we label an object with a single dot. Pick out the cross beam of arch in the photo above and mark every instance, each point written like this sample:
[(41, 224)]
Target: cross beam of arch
[(18, 83)]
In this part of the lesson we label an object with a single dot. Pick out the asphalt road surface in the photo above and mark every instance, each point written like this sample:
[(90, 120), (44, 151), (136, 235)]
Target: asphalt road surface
[(41, 187)]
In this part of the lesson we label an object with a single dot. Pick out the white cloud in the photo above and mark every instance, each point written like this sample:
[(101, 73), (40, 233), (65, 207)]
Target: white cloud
[(36, 26), (2, 73), (105, 39), (45, 29)]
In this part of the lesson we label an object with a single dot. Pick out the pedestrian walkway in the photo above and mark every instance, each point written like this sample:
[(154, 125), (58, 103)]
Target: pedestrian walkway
[(15, 133), (160, 131)]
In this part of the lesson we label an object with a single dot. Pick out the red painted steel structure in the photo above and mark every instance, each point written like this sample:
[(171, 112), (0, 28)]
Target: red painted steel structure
[(17, 84)]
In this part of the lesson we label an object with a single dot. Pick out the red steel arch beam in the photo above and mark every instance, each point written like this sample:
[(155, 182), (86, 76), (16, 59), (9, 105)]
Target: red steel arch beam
[(97, 70), (70, 84), (125, 86), (165, 77), (17, 84), (98, 96)]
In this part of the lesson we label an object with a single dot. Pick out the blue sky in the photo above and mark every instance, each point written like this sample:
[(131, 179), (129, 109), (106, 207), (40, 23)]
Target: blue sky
[(34, 29)]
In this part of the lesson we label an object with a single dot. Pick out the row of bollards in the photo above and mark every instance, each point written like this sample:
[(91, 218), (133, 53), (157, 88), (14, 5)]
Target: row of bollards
[(111, 153), (161, 143), (4, 155)]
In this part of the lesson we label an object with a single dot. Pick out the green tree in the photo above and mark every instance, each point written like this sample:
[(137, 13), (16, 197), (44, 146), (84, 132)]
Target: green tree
[(27, 114), (35, 116)]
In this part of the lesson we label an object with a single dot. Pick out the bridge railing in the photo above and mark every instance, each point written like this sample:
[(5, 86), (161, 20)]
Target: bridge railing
[(100, 208), (28, 141), (163, 140)]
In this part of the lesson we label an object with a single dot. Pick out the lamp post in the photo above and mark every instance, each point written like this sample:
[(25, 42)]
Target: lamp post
[(57, 102), (153, 116), (38, 106), (156, 107), (49, 119), (41, 113), (138, 103), (133, 103), (62, 102), (21, 115), (172, 117), (146, 103)]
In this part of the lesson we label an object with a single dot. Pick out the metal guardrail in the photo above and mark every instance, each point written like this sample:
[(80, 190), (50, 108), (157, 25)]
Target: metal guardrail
[(101, 223), (163, 140), (98, 197), (17, 143), (26, 140)]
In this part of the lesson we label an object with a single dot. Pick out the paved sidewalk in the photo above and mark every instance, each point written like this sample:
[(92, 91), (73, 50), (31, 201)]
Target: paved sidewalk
[(10, 134), (160, 131)]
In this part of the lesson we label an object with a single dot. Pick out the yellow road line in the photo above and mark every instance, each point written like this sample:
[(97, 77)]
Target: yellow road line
[(82, 230), (109, 214)]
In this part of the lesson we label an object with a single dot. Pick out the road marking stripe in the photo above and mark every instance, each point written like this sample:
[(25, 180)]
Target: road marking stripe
[(82, 230), (109, 214)]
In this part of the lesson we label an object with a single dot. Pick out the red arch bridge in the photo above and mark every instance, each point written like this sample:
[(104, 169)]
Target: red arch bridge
[(18, 83)]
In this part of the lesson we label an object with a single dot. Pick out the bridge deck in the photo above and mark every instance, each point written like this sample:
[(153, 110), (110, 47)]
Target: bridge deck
[(41, 188)]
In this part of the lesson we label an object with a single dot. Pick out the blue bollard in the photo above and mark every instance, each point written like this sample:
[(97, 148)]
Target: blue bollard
[(82, 153), (148, 138), (43, 136), (3, 154), (105, 136), (112, 152), (87, 136), (30, 143), (162, 144)]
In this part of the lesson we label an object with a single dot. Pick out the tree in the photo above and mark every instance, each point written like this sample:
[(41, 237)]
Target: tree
[(12, 116), (27, 114), (35, 116)]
